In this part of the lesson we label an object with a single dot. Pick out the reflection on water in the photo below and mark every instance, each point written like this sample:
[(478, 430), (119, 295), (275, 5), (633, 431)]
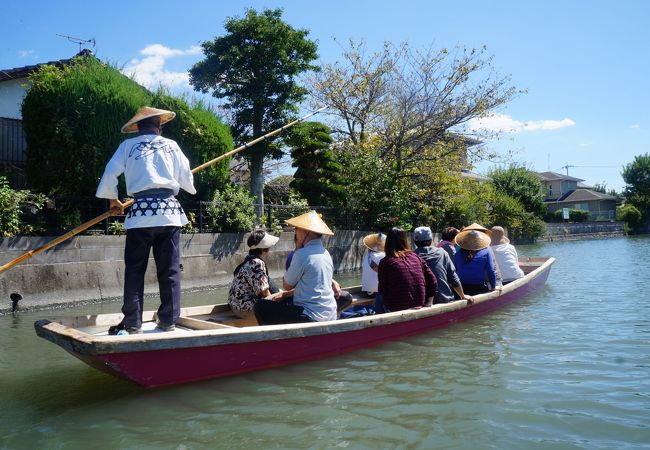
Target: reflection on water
[(566, 368)]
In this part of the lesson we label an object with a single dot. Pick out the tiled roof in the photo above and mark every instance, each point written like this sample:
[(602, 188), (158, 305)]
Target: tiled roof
[(550, 176), (582, 195), (473, 176), (23, 72)]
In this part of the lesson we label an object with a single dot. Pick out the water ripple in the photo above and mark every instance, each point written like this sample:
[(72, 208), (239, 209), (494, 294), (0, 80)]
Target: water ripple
[(566, 368)]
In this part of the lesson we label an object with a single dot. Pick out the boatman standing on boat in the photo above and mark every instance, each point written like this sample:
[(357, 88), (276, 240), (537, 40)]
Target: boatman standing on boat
[(155, 169), (310, 276)]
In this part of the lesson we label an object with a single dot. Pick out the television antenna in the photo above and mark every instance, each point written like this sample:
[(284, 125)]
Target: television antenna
[(81, 42)]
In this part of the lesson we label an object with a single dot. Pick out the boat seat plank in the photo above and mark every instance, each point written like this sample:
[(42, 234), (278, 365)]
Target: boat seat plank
[(226, 318), (198, 324)]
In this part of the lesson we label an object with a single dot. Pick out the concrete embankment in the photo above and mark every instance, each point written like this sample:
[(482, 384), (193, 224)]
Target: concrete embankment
[(90, 268), (584, 230)]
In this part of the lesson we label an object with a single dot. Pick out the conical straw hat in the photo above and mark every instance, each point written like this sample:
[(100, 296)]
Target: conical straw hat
[(476, 226), (499, 236), (472, 240), (375, 242), (145, 112), (310, 221)]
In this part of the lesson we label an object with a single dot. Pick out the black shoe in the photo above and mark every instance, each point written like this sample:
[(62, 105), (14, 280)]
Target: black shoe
[(160, 326), (115, 329)]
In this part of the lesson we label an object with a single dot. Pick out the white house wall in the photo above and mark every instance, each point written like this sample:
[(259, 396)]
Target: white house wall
[(12, 93)]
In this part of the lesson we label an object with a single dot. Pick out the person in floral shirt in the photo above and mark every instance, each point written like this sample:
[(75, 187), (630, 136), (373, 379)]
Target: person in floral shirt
[(251, 278)]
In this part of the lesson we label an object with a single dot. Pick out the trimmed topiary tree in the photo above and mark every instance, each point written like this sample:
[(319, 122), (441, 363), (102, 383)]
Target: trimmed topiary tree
[(318, 175)]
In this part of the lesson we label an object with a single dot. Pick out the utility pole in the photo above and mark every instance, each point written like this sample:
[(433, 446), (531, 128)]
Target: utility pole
[(567, 168)]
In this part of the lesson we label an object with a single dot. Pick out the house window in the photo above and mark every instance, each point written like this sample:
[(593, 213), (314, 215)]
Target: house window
[(550, 191)]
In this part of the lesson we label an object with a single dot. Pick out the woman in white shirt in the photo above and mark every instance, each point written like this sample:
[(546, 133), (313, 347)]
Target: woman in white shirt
[(506, 256), (375, 253)]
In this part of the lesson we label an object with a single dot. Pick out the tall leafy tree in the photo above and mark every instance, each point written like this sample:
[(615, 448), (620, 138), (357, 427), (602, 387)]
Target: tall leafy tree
[(318, 174), (521, 184), (413, 100), (408, 113), (254, 68), (637, 183)]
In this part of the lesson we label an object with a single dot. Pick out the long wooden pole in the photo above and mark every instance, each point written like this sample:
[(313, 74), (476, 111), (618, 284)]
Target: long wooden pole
[(56, 241)]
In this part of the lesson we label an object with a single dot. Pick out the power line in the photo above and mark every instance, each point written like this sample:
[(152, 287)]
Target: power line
[(567, 166)]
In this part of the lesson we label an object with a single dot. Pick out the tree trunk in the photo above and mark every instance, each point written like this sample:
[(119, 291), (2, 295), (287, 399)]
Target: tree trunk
[(257, 164), (257, 183)]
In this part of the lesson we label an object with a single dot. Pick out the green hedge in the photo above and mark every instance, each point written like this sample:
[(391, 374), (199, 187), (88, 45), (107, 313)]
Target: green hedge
[(575, 215), (72, 118)]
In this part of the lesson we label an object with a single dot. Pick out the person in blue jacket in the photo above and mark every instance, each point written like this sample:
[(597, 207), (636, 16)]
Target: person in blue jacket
[(474, 262)]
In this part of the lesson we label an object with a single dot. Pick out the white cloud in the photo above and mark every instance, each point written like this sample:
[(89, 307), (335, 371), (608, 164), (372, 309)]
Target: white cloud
[(635, 125), (150, 70), (25, 53), (503, 123)]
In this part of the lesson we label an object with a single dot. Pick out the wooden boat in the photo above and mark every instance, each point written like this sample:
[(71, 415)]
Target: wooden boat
[(210, 342)]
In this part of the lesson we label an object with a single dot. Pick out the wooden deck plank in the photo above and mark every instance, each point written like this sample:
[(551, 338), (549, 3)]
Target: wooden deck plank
[(198, 324)]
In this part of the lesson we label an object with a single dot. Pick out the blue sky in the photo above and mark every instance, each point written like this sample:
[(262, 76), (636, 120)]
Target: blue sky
[(585, 64)]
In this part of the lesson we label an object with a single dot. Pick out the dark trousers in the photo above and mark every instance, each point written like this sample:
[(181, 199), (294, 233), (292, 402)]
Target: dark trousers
[(166, 252), (269, 312)]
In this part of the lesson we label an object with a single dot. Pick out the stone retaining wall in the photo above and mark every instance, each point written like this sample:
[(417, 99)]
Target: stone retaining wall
[(583, 230), (88, 268)]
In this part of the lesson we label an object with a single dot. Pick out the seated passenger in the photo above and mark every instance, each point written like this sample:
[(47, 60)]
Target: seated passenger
[(448, 242), (474, 261), (506, 256), (441, 265), (374, 244), (405, 280), (310, 276), (251, 278), (287, 263)]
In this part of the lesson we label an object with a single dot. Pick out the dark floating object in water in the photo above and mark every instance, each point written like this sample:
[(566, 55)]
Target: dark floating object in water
[(15, 298)]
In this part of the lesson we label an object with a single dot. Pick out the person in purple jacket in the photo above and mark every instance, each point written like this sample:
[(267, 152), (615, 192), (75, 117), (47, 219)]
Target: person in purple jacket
[(405, 280), (474, 261)]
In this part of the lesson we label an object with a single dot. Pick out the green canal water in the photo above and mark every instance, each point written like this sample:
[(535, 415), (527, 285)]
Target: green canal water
[(566, 368)]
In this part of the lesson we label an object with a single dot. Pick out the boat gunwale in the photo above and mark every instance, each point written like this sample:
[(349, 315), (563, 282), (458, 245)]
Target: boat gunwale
[(77, 341)]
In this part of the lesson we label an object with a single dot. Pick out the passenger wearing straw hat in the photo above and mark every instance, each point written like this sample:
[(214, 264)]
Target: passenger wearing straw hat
[(374, 244), (474, 261), (155, 170), (310, 276), (506, 255)]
